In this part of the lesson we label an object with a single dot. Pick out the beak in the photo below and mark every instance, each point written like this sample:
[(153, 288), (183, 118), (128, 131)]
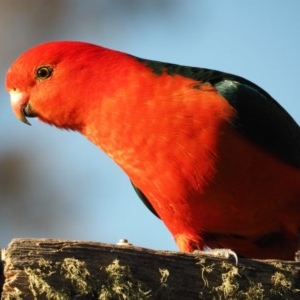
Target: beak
[(20, 105)]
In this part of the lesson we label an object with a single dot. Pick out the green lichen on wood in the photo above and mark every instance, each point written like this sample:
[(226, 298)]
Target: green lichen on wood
[(79, 276), (164, 275), (71, 277), (13, 295), (220, 280), (40, 276), (205, 269), (283, 285), (121, 285), (255, 291), (228, 286), (39, 286)]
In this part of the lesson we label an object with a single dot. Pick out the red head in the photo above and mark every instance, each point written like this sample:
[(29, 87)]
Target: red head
[(51, 81)]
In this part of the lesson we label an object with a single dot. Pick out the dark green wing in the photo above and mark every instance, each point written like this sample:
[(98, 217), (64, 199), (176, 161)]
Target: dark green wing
[(144, 199), (260, 117)]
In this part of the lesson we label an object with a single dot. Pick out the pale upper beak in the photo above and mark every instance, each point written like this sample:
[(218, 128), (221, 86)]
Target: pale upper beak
[(19, 102)]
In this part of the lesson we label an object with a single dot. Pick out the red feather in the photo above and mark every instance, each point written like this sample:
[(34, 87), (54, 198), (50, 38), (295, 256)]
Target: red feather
[(174, 137)]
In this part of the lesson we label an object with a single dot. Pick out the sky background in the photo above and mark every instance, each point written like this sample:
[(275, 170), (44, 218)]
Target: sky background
[(56, 183)]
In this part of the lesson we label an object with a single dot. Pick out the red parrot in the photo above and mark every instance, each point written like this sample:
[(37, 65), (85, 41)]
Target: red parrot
[(210, 153)]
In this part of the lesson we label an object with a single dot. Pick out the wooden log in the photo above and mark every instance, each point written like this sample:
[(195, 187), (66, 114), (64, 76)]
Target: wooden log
[(57, 269)]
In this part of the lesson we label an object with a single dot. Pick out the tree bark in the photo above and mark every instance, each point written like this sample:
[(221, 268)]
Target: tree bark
[(57, 269)]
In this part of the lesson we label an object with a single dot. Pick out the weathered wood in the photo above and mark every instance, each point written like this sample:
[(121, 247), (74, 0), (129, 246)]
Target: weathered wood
[(56, 269)]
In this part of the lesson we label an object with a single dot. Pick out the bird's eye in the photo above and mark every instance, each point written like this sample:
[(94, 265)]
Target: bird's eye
[(43, 72)]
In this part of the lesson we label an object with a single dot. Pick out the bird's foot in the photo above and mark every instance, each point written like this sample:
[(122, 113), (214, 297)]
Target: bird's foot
[(218, 252)]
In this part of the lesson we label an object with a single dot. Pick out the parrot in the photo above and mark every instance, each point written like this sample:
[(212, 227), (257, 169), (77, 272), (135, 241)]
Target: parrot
[(211, 154)]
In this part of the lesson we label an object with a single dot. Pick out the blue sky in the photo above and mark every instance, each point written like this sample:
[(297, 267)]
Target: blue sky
[(258, 40)]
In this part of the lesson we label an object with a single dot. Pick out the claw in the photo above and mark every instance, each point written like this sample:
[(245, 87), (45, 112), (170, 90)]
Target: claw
[(218, 252)]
